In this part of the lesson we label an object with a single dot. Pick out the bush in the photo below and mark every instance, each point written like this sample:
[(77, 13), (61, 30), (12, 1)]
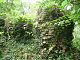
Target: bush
[(76, 43)]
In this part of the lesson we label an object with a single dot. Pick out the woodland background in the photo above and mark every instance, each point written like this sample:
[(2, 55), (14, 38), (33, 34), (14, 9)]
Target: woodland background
[(25, 23)]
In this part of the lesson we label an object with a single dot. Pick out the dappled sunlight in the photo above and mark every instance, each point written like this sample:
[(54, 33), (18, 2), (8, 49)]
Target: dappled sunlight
[(68, 7), (30, 1)]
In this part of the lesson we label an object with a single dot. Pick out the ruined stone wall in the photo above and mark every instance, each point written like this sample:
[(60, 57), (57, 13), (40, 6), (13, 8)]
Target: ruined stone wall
[(56, 30)]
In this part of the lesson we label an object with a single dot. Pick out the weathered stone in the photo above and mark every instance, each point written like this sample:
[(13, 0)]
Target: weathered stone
[(58, 34)]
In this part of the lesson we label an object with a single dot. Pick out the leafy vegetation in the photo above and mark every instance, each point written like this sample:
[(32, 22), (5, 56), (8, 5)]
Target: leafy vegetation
[(40, 30)]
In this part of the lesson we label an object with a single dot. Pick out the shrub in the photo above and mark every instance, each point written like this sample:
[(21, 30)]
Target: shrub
[(76, 43)]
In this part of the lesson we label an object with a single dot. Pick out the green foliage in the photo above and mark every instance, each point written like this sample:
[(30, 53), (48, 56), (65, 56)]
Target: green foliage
[(48, 3), (61, 21), (2, 1), (6, 7), (76, 33), (76, 43), (22, 32), (2, 22), (64, 3), (1, 33)]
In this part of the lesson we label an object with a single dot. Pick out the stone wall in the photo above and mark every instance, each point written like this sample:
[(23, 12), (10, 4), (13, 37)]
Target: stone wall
[(56, 31)]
